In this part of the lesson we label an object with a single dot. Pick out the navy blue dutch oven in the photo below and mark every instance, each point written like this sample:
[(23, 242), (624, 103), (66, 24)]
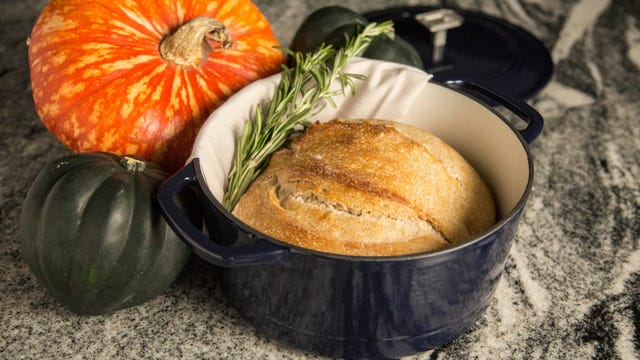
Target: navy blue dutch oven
[(364, 307)]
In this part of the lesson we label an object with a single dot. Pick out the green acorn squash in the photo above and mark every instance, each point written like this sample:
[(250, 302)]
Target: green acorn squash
[(93, 234), (396, 50), (320, 23), (330, 25)]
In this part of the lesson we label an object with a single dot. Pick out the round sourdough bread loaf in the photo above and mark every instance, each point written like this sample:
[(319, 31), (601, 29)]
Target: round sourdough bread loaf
[(368, 188)]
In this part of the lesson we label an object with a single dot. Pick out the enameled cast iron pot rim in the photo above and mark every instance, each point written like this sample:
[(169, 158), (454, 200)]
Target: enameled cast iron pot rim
[(192, 174)]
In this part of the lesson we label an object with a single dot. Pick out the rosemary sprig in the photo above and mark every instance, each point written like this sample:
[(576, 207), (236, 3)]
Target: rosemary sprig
[(295, 100)]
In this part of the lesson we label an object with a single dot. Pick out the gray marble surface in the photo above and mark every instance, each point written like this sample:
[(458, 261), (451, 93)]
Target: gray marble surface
[(571, 289)]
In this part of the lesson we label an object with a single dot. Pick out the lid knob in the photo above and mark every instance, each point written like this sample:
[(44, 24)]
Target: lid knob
[(438, 22)]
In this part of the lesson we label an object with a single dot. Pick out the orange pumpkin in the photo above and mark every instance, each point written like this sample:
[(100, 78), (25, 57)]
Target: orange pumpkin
[(140, 77)]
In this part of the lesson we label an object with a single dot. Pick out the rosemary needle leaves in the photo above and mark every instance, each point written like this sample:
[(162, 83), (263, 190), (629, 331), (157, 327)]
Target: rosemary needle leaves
[(295, 100)]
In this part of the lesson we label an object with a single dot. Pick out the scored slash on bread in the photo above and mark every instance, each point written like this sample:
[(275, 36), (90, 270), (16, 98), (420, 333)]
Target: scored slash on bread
[(369, 188)]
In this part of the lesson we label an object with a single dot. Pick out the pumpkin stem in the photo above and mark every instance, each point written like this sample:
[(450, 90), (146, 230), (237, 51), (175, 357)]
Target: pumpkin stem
[(132, 164), (189, 46)]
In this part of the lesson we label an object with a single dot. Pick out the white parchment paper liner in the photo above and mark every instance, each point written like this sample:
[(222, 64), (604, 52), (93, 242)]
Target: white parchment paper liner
[(388, 92)]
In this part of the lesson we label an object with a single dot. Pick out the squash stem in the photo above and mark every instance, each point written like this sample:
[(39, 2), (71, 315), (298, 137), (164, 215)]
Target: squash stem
[(132, 164), (190, 45)]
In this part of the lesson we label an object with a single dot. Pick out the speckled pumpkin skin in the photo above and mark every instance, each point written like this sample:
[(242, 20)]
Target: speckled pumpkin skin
[(100, 83)]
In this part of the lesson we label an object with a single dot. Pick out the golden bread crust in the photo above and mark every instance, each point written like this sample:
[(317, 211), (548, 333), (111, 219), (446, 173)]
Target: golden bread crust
[(370, 188)]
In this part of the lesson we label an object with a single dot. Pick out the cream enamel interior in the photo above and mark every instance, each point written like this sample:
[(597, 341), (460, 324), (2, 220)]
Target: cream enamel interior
[(480, 135)]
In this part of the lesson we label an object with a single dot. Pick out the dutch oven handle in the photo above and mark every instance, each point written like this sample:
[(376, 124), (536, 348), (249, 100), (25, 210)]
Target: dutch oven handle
[(259, 252), (519, 107)]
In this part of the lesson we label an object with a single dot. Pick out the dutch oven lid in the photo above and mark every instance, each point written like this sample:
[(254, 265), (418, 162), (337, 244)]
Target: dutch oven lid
[(466, 45)]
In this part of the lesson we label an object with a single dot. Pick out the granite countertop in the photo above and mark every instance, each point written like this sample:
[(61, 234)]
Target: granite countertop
[(571, 287)]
